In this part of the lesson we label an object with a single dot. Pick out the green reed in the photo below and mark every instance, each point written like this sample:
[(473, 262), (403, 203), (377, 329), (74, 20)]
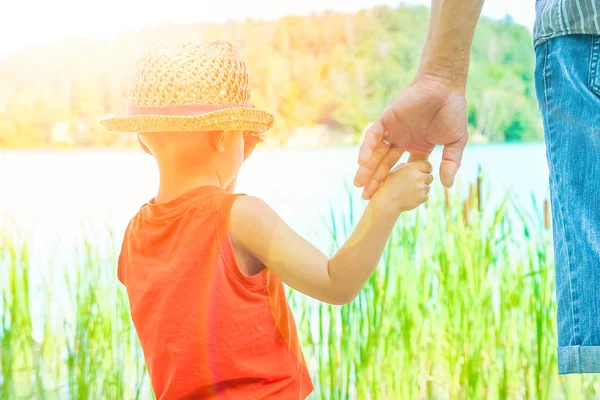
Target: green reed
[(87, 348), (461, 307)]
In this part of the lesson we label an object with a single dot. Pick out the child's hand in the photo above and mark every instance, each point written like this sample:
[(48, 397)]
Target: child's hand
[(406, 187), (250, 142)]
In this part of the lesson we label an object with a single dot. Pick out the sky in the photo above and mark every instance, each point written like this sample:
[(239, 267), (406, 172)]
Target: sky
[(24, 22)]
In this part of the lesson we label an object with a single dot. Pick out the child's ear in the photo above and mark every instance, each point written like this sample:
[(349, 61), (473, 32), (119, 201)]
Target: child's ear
[(218, 140)]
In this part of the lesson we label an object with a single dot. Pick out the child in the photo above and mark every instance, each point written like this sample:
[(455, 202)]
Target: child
[(203, 267)]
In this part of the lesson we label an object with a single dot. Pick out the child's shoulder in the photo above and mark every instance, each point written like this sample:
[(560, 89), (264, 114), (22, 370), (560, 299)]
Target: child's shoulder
[(252, 216), (247, 203), (250, 208)]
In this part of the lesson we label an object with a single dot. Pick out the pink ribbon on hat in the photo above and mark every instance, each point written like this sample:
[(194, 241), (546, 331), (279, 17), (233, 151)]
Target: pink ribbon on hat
[(182, 109)]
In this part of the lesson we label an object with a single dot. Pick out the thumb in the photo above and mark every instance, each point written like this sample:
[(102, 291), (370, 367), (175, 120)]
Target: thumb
[(451, 159)]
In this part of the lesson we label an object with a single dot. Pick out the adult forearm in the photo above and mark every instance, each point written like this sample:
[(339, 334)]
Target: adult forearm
[(448, 48)]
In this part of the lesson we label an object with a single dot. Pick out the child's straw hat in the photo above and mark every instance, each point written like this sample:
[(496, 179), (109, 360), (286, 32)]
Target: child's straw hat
[(191, 87)]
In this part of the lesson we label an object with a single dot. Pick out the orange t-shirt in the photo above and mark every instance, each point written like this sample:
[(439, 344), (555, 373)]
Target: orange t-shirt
[(207, 330)]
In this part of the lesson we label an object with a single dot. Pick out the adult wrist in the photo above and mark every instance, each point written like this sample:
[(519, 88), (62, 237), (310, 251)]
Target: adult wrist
[(443, 76)]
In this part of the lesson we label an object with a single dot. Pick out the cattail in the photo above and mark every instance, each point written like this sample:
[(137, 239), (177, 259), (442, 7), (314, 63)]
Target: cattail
[(467, 207), (447, 197), (546, 214), (472, 194)]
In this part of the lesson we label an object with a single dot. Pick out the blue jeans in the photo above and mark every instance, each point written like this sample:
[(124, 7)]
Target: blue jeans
[(567, 80)]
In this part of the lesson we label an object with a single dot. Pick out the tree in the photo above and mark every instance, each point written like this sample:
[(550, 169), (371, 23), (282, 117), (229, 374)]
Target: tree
[(334, 69)]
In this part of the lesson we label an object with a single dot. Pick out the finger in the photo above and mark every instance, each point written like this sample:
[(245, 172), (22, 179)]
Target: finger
[(366, 172), (387, 163), (429, 179), (451, 159), (370, 189), (367, 168), (373, 138), (427, 189), (424, 166), (418, 156), (370, 155), (383, 170)]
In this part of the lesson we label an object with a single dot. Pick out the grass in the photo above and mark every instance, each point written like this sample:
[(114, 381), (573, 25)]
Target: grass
[(87, 348), (462, 307)]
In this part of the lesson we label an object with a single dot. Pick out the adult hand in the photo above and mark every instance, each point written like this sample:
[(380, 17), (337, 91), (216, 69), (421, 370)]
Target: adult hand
[(427, 113)]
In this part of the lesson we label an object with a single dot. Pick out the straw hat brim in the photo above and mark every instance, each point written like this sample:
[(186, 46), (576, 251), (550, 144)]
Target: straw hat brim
[(247, 119)]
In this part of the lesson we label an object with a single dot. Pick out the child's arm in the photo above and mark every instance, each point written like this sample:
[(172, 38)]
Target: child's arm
[(302, 266)]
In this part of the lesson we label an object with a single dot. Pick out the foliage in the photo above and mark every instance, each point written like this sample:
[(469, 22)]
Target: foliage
[(333, 69)]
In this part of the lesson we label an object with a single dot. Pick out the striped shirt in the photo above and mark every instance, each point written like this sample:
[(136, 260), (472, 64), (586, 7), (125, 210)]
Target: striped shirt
[(566, 17)]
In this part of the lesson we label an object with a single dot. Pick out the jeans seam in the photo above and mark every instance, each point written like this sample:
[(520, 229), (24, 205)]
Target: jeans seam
[(594, 56), (560, 210)]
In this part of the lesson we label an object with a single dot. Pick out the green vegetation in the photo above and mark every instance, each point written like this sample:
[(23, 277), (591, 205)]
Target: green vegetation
[(87, 348), (461, 308), (333, 71)]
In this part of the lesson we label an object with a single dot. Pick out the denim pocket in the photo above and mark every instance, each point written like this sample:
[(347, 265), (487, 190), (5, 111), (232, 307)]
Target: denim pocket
[(595, 65)]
